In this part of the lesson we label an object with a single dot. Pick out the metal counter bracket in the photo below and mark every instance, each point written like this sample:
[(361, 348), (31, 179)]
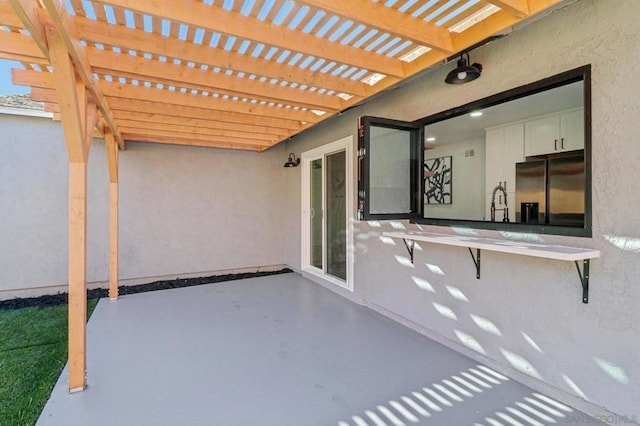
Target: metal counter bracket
[(409, 244), (476, 261), (584, 279), (583, 273)]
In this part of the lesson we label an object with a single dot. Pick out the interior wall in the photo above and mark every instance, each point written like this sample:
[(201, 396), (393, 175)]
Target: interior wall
[(468, 183), (183, 210), (525, 315)]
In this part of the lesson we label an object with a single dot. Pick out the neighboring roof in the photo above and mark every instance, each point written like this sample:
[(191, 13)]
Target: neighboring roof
[(22, 105), (242, 74), (21, 102)]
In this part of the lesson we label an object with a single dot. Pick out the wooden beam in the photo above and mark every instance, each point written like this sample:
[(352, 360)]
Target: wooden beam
[(77, 275), (167, 135), (154, 71), (217, 19), (178, 128), (123, 107), (65, 26), (390, 20), (159, 45), (168, 97), (30, 14), (22, 48), (66, 84), (132, 137), (517, 8), (91, 115), (112, 158), (8, 16), (184, 121)]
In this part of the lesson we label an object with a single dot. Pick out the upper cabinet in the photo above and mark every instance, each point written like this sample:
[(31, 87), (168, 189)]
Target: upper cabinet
[(504, 148), (555, 133)]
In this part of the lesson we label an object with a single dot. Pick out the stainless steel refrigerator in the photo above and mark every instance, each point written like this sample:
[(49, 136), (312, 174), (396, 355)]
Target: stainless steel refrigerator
[(551, 191)]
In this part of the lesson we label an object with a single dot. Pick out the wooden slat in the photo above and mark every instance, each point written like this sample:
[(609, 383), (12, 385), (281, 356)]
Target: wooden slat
[(156, 44), (215, 18), (390, 20), (517, 8), (77, 7), (20, 47), (65, 26)]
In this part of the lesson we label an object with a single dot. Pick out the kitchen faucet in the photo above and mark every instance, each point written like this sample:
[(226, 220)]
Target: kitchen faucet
[(503, 188)]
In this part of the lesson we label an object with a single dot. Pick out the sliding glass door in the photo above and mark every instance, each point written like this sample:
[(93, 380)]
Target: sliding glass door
[(327, 212)]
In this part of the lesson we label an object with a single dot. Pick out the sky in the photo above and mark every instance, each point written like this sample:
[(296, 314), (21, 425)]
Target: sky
[(6, 87)]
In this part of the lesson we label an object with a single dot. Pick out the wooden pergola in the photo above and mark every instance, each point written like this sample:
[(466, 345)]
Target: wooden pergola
[(243, 74)]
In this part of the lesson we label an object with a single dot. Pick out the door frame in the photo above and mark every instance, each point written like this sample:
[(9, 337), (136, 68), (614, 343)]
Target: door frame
[(344, 144)]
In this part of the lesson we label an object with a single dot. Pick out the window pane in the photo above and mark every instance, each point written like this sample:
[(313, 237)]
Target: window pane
[(316, 213), (389, 170), (336, 216)]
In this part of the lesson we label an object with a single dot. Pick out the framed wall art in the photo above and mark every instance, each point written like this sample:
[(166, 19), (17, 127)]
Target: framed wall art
[(438, 176)]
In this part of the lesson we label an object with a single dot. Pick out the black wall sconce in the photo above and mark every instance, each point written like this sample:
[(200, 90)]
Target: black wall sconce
[(292, 161), (464, 72)]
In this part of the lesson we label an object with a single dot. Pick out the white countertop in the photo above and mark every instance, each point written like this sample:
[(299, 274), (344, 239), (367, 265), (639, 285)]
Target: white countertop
[(548, 251)]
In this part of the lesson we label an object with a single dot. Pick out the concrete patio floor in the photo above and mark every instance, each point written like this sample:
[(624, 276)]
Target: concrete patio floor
[(280, 350)]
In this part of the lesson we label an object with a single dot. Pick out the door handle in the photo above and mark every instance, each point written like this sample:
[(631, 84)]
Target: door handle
[(555, 144), (562, 143)]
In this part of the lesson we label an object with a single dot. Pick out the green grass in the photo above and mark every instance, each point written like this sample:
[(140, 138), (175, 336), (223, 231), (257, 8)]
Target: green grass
[(33, 351)]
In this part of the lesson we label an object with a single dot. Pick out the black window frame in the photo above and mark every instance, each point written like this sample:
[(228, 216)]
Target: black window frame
[(364, 167), (417, 197)]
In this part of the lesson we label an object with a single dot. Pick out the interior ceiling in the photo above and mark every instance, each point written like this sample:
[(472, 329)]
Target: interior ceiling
[(243, 74)]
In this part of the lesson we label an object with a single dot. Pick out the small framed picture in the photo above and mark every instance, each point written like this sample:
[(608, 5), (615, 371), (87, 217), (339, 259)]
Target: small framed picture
[(437, 180)]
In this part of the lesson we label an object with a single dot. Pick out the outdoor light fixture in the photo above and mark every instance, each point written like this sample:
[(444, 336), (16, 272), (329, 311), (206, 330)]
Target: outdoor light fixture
[(292, 161), (464, 73)]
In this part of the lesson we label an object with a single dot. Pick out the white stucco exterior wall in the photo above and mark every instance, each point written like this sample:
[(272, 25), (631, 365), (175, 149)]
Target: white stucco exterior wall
[(184, 211), (542, 333)]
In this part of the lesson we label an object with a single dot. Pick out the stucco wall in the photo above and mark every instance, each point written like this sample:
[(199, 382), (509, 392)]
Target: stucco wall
[(525, 315), (183, 210)]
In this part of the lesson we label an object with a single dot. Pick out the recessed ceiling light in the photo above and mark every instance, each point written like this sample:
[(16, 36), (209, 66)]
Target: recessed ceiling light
[(476, 114), (431, 139)]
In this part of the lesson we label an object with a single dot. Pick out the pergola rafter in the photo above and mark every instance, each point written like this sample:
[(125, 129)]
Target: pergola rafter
[(241, 75)]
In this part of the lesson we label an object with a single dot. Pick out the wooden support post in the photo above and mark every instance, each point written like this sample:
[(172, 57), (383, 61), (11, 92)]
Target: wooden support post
[(78, 114), (77, 275), (112, 157)]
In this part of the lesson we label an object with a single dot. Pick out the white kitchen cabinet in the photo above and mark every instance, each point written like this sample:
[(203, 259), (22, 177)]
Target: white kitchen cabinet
[(555, 133), (504, 148)]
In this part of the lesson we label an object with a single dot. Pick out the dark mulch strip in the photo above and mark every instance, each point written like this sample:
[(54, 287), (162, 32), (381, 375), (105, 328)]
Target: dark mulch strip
[(61, 298)]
